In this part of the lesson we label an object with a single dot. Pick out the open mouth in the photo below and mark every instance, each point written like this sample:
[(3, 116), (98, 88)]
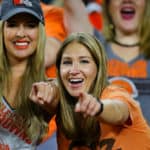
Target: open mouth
[(127, 12), (21, 45), (76, 81)]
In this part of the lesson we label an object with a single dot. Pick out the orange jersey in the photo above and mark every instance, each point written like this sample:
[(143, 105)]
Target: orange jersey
[(54, 23), (94, 10), (99, 1), (133, 76), (134, 136), (51, 72), (96, 20), (130, 136)]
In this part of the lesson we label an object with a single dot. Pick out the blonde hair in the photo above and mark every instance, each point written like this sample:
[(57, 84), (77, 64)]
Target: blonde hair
[(144, 33), (34, 119), (67, 117)]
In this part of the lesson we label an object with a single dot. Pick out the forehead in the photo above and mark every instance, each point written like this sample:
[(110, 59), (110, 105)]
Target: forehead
[(76, 49)]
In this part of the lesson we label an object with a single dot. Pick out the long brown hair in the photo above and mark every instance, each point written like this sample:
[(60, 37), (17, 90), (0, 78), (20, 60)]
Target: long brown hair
[(71, 123)]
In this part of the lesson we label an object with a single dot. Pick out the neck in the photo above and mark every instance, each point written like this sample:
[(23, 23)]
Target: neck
[(126, 45)]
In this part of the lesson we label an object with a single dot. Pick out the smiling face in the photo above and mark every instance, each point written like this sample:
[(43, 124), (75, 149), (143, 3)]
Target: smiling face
[(77, 69), (127, 14), (20, 36)]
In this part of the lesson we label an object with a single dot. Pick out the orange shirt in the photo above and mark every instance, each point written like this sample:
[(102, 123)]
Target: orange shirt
[(95, 18), (94, 10), (135, 136), (99, 1), (54, 25)]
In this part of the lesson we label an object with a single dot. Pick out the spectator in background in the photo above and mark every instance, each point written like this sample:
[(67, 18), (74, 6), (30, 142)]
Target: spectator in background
[(126, 40), (61, 21), (56, 33)]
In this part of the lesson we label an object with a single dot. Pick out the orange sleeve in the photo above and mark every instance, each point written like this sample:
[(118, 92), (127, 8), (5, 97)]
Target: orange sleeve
[(52, 126), (96, 20), (99, 1), (123, 135), (116, 92), (54, 25), (51, 72)]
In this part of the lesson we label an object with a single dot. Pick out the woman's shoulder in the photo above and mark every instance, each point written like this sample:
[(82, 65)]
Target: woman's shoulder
[(113, 91), (112, 88)]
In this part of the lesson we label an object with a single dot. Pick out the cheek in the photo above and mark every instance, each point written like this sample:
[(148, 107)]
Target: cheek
[(7, 35), (112, 7), (91, 74), (63, 73), (34, 38), (92, 69), (33, 33)]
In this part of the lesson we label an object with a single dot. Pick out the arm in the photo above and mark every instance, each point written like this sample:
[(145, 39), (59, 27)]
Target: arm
[(51, 49), (75, 20), (55, 31), (76, 17), (114, 111)]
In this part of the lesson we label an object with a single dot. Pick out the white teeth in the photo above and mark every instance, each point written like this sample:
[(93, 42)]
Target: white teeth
[(128, 9), (76, 80), (21, 43)]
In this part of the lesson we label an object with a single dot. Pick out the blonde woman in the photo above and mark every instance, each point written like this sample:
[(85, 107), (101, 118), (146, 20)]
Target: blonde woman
[(22, 123)]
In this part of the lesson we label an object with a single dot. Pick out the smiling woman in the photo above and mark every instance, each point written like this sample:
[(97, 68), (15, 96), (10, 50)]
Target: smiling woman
[(75, 73), (90, 113), (20, 36), (22, 123), (126, 40)]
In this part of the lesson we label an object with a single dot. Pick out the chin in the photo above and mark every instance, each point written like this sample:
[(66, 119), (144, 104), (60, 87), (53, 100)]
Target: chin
[(74, 94)]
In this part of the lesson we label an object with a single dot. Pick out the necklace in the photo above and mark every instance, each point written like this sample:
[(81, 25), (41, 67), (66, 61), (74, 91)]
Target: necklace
[(126, 45)]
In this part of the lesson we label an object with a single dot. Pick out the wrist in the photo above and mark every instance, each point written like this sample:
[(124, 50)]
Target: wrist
[(101, 107)]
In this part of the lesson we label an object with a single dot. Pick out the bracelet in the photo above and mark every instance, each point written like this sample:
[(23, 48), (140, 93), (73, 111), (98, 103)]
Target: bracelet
[(101, 107)]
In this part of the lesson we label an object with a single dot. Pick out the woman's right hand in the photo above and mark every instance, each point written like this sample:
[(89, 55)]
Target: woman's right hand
[(45, 94)]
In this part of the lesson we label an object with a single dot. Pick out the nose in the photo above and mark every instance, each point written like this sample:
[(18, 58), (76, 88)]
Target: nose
[(128, 1), (75, 69), (21, 31)]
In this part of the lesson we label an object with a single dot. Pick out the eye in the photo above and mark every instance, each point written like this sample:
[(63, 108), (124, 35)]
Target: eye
[(66, 62), (32, 24), (84, 61), (11, 24)]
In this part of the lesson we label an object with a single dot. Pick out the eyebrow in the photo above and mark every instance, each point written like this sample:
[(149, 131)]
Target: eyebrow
[(68, 57)]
